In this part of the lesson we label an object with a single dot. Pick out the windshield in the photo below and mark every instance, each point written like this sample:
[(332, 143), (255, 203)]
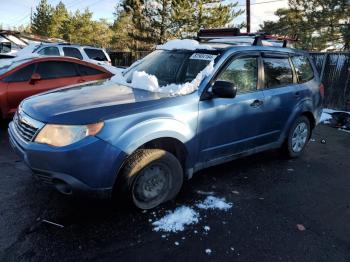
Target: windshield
[(172, 67)]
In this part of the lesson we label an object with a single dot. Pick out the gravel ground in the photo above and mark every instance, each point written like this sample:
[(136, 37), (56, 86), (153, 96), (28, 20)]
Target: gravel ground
[(283, 210)]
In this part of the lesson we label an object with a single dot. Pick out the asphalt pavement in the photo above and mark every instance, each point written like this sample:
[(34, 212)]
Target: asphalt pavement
[(283, 210)]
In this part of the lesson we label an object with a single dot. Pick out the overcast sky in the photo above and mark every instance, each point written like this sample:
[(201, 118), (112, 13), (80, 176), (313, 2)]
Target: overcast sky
[(17, 12)]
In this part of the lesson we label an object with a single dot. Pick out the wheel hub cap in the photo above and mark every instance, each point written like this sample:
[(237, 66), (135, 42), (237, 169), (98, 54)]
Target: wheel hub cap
[(299, 137)]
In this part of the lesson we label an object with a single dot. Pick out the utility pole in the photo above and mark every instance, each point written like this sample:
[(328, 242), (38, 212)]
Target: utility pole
[(248, 15)]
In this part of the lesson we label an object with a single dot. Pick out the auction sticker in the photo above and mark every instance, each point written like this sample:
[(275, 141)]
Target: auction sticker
[(201, 56)]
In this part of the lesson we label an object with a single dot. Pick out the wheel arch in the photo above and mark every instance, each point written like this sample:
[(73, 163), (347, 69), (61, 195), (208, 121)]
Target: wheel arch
[(304, 108)]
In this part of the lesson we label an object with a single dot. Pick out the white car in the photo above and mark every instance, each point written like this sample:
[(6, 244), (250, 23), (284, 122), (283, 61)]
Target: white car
[(86, 53)]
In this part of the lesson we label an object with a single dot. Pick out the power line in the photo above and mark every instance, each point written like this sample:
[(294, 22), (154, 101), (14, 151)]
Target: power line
[(265, 2)]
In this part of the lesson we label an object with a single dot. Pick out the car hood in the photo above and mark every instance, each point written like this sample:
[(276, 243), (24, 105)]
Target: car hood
[(89, 103)]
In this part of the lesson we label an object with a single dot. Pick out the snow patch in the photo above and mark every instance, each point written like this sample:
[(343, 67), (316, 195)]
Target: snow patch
[(184, 44), (177, 220), (142, 80), (212, 202), (327, 115), (208, 251)]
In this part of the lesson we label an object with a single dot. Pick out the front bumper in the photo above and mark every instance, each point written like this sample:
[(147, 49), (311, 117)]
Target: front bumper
[(88, 167)]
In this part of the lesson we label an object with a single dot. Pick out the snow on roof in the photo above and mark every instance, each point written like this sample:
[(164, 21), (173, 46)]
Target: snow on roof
[(184, 44)]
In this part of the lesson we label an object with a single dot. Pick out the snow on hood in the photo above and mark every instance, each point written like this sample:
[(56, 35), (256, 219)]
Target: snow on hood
[(142, 80), (185, 44)]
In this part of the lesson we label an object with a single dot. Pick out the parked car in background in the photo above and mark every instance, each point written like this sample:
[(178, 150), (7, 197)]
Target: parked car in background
[(185, 107), (24, 78), (81, 52)]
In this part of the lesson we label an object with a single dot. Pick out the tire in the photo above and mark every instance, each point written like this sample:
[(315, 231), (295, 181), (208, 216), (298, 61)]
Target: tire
[(298, 137), (151, 177)]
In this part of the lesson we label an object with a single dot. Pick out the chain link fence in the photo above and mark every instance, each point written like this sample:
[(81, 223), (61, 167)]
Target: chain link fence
[(334, 69)]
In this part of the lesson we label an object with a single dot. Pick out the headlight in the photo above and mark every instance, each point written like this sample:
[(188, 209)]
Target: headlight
[(64, 135)]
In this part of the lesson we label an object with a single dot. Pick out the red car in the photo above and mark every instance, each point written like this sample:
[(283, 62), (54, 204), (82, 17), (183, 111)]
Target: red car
[(24, 78)]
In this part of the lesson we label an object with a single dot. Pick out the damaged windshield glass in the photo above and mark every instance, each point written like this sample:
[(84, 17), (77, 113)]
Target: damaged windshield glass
[(172, 67)]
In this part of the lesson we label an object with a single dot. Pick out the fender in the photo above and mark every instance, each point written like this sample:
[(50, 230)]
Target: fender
[(304, 105), (141, 133)]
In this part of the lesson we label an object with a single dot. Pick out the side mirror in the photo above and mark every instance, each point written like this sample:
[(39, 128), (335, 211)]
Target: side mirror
[(34, 78), (224, 89)]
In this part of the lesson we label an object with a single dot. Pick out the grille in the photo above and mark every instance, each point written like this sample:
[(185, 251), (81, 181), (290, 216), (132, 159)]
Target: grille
[(26, 127)]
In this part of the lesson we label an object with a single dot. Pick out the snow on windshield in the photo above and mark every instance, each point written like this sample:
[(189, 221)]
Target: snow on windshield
[(142, 80), (184, 44)]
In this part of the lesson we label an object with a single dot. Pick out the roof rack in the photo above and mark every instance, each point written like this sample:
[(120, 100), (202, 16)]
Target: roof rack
[(222, 33)]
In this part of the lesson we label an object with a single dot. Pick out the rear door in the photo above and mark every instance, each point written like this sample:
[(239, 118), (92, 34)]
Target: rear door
[(55, 74), (280, 90), (89, 73)]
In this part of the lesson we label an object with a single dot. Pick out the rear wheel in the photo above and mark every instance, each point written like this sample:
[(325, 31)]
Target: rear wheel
[(152, 177), (298, 137)]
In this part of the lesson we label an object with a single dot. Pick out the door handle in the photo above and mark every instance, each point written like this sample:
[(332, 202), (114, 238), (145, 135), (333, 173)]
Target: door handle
[(257, 103), (81, 81)]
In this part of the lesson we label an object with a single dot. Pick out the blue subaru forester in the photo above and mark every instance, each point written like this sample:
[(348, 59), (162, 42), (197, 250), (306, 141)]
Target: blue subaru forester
[(119, 136)]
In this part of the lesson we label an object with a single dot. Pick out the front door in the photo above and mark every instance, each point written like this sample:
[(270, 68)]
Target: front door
[(234, 125)]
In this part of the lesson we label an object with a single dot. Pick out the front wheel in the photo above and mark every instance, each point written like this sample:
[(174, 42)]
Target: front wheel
[(152, 177), (298, 137)]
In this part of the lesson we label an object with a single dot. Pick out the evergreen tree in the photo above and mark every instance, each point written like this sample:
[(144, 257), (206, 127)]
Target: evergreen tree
[(59, 16), (190, 16), (317, 23), (41, 21)]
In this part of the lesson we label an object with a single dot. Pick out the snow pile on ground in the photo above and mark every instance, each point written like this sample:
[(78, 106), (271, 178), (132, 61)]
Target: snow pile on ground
[(183, 216), (184, 44), (325, 117), (176, 221), (212, 202), (142, 80)]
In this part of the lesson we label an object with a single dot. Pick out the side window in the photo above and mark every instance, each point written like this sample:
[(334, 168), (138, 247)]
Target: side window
[(95, 54), (72, 52), (56, 69), (50, 51), (88, 71), (21, 75), (243, 73), (303, 68), (278, 72)]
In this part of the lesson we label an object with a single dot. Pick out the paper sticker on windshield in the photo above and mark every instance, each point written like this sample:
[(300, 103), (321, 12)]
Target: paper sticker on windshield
[(199, 56)]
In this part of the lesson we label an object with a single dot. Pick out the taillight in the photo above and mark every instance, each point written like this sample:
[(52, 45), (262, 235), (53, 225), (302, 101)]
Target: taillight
[(322, 90)]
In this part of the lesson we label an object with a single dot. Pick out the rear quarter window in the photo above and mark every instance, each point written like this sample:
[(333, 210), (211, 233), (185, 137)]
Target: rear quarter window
[(95, 54), (303, 68), (72, 52)]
